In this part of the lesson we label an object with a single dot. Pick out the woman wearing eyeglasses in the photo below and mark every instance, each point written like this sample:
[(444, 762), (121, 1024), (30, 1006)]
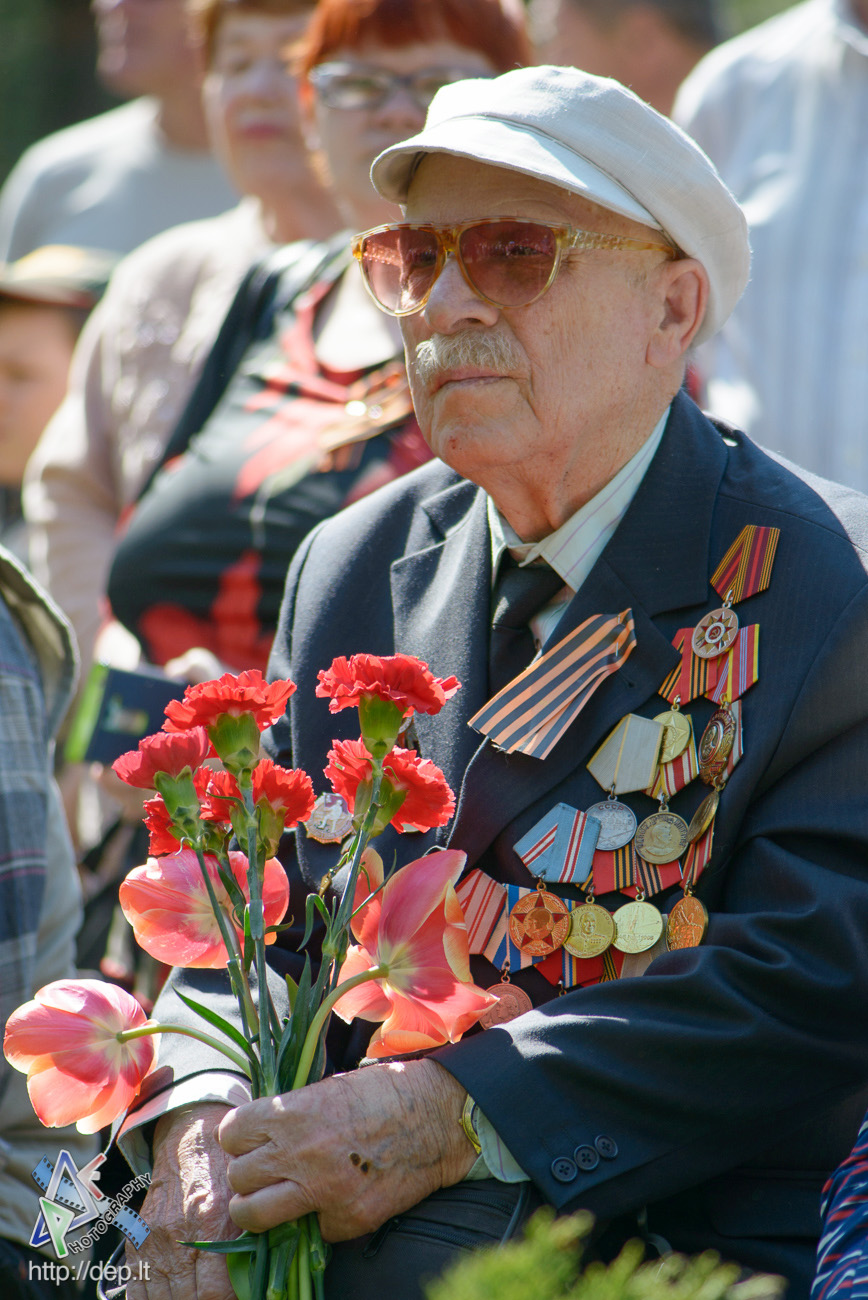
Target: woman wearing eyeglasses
[(304, 404)]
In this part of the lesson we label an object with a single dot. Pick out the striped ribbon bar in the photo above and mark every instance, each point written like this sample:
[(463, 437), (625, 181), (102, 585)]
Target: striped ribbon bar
[(675, 775), (747, 566), (533, 711), (504, 949), (560, 847), (740, 667), (613, 963), (697, 857), (693, 676), (737, 744), (614, 869), (652, 879), (482, 901), (562, 967)]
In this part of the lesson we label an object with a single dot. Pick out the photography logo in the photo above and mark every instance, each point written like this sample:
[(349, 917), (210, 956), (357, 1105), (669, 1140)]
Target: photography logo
[(71, 1200)]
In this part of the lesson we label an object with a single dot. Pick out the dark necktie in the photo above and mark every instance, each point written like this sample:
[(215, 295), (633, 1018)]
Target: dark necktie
[(518, 595)]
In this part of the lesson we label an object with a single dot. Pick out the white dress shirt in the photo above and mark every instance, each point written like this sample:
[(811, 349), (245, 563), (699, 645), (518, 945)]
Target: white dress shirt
[(782, 111)]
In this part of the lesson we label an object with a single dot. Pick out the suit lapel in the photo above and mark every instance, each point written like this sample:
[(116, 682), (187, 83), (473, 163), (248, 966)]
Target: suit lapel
[(656, 563), (440, 603)]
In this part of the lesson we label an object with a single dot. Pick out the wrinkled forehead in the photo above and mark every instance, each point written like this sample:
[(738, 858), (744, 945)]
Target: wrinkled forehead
[(449, 188)]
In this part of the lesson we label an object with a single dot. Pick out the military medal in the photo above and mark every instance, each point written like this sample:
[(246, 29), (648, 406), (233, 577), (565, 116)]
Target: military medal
[(617, 823), (687, 923), (560, 847), (592, 929), (628, 757), (716, 744), (331, 821), (662, 837), (704, 816), (676, 733), (715, 633), (538, 923), (638, 926), (511, 1002)]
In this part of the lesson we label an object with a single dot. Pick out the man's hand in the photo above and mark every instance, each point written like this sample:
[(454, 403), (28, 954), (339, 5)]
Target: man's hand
[(357, 1148), (187, 1201)]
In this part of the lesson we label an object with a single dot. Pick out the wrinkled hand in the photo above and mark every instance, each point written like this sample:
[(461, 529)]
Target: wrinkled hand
[(357, 1148), (187, 1200)]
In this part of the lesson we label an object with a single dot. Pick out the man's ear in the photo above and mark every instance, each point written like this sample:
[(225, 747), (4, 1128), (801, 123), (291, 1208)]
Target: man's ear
[(683, 287)]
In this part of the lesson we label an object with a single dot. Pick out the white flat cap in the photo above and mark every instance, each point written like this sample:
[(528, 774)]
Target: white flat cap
[(595, 138)]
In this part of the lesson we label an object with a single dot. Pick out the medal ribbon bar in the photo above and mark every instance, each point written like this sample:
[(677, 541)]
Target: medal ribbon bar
[(747, 566), (532, 712)]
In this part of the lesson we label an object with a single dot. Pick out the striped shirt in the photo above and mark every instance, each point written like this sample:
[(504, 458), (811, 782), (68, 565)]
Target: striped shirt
[(782, 110), (842, 1258)]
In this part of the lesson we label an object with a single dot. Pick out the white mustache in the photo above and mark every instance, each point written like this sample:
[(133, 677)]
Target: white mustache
[(445, 352)]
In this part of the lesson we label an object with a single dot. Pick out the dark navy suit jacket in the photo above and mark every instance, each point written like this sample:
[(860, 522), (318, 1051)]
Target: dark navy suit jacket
[(730, 1077)]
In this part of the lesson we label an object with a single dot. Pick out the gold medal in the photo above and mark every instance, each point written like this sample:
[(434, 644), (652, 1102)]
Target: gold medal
[(662, 837), (511, 1002), (716, 745), (591, 930), (704, 816), (687, 923), (539, 923), (676, 733), (715, 634), (638, 926)]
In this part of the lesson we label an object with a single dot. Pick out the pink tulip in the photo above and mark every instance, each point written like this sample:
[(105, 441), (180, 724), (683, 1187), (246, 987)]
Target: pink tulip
[(415, 928), (66, 1042), (167, 904)]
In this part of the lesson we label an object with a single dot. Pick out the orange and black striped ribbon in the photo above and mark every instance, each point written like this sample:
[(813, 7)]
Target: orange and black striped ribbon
[(614, 870), (532, 712), (693, 676), (747, 566)]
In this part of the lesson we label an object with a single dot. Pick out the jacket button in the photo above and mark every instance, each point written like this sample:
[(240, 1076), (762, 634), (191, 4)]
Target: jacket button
[(586, 1158), (563, 1169), (607, 1147)]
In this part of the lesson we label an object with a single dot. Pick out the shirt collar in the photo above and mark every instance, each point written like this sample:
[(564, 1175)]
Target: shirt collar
[(574, 548)]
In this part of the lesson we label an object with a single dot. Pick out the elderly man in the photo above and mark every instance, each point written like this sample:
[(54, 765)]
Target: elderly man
[(563, 247)]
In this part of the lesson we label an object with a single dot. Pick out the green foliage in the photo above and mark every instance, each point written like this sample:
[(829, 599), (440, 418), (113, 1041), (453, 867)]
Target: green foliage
[(545, 1265)]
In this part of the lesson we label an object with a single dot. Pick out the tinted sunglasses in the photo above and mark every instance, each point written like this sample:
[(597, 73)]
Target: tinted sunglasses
[(343, 85), (506, 262)]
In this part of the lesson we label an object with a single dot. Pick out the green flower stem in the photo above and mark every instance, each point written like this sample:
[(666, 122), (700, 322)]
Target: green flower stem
[(305, 1288), (257, 933), (311, 1041), (143, 1031), (237, 978), (344, 912)]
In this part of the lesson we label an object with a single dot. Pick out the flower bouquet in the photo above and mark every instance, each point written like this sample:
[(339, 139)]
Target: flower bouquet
[(213, 894)]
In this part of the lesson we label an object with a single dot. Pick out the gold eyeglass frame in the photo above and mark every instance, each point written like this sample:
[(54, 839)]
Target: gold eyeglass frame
[(568, 239)]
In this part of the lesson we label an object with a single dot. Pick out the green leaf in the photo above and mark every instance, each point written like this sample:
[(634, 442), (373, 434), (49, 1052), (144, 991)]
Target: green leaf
[(218, 1022), (241, 1246), (240, 1270), (291, 992), (313, 904)]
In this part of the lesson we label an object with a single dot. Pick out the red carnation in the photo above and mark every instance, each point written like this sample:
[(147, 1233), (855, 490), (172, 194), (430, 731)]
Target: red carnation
[(248, 693), (287, 791), (401, 679), (427, 801), (219, 797), (159, 824), (163, 753)]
